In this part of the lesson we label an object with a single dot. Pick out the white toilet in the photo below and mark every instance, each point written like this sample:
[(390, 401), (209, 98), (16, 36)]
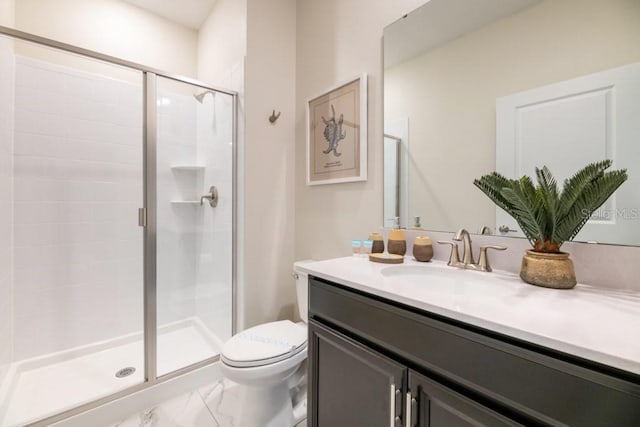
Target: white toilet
[(265, 358)]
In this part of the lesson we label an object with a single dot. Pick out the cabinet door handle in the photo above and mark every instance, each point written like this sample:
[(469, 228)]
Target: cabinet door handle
[(407, 411), (392, 406)]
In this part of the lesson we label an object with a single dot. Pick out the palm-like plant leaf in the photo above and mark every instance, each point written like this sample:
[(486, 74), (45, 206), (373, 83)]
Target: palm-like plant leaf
[(549, 218), (594, 195), (548, 193), (526, 207), (575, 186), (492, 186)]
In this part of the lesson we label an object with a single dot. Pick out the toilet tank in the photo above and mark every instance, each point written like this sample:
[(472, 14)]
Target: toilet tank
[(302, 289)]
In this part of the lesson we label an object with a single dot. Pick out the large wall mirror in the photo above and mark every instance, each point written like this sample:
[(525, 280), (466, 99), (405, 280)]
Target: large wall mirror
[(473, 86)]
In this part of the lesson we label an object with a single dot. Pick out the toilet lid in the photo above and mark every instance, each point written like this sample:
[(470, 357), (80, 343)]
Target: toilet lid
[(265, 344)]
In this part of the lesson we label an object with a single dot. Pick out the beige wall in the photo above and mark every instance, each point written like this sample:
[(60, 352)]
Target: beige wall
[(269, 161), (266, 33), (114, 28), (7, 13), (337, 40), (222, 40), (449, 94)]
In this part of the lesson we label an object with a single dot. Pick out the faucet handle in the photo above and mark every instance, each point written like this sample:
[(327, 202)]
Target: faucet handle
[(454, 257), (483, 262)]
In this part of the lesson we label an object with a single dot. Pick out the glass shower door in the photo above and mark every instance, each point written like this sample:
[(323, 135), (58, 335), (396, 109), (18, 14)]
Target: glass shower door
[(117, 236), (72, 180), (194, 208)]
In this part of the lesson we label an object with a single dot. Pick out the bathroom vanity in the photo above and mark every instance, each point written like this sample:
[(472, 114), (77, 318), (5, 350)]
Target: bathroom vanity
[(428, 345)]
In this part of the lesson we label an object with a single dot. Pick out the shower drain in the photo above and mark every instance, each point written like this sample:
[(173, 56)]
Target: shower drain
[(125, 372)]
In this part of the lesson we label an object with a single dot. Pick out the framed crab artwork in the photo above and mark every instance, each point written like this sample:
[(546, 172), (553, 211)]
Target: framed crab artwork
[(337, 134)]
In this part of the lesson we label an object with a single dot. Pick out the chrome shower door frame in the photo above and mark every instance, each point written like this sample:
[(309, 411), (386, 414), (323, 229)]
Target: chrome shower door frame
[(148, 215)]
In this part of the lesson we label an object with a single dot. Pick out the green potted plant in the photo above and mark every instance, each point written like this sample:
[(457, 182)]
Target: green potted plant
[(549, 217)]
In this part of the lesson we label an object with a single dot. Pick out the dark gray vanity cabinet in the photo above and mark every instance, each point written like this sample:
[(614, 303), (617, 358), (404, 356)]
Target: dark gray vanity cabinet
[(358, 387), (433, 404), (375, 362)]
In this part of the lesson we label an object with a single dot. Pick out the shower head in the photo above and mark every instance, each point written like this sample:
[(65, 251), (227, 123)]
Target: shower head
[(200, 96)]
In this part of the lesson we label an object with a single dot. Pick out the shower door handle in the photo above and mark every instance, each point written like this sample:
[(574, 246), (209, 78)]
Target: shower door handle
[(212, 196)]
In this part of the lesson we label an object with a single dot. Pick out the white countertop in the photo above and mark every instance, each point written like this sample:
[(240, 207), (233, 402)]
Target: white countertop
[(589, 322)]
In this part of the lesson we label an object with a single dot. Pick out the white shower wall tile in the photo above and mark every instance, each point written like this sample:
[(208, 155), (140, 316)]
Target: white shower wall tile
[(40, 123), (86, 171), (77, 187), (6, 336), (214, 247), (177, 223), (7, 67), (35, 212), (175, 274)]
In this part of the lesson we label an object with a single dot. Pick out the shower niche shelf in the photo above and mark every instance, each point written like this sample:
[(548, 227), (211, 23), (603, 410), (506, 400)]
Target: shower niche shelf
[(187, 167), (185, 202)]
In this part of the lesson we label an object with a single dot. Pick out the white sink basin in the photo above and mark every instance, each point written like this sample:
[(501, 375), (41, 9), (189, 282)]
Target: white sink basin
[(449, 280)]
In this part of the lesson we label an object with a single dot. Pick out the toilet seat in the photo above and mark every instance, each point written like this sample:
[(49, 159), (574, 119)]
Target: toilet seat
[(265, 344)]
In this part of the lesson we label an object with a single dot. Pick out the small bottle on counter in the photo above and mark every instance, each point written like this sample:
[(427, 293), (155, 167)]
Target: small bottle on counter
[(355, 246)]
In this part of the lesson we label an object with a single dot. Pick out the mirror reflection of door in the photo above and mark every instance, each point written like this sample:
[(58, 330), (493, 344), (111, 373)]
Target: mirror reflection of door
[(396, 172), (567, 125)]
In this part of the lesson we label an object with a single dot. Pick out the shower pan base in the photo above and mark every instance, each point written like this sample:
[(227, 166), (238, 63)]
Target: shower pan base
[(43, 386)]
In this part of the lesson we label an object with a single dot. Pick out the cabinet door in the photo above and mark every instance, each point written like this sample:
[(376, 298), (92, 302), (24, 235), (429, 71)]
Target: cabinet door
[(351, 385), (434, 405)]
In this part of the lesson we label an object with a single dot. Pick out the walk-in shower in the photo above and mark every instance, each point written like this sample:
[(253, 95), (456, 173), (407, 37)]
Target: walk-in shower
[(113, 276)]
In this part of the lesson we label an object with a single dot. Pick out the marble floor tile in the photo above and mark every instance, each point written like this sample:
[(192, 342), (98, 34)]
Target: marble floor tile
[(187, 410), (216, 405), (223, 398)]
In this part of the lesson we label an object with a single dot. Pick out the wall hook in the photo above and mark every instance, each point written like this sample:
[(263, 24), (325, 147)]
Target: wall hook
[(273, 117)]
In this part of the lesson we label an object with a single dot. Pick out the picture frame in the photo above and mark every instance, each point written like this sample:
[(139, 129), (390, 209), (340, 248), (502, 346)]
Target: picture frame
[(336, 126)]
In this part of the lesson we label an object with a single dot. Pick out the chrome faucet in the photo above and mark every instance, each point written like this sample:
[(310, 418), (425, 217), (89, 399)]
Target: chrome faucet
[(467, 251), (486, 230), (467, 258)]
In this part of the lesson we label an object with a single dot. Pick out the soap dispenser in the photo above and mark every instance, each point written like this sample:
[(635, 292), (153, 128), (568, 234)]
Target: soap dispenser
[(416, 223), (397, 243)]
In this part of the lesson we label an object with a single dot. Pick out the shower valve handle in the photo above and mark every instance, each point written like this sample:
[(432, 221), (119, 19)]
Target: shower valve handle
[(212, 197)]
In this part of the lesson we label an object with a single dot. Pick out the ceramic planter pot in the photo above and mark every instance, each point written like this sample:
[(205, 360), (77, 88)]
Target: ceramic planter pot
[(550, 270)]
